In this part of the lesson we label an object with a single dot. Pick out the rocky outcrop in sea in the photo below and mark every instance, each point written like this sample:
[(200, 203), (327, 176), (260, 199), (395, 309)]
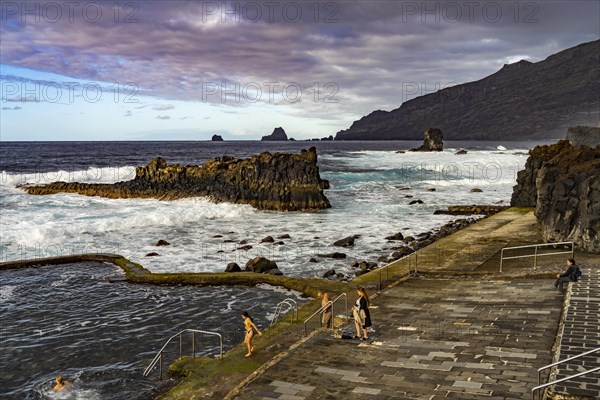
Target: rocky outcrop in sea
[(277, 135), (432, 140), (279, 181), (562, 182)]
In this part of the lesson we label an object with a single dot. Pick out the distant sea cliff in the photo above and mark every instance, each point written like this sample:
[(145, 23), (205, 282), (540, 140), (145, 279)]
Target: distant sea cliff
[(521, 101)]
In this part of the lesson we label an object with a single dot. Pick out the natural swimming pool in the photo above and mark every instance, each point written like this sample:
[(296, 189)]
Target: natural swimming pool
[(100, 335)]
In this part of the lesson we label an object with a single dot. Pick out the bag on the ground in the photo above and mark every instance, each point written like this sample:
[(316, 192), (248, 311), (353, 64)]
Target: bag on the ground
[(578, 273)]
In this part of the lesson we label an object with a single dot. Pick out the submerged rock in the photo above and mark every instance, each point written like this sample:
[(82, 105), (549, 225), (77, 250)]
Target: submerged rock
[(162, 242), (233, 267), (395, 236), (217, 138), (260, 265), (153, 254), (280, 182), (335, 255), (472, 210), (268, 239), (329, 273), (347, 241)]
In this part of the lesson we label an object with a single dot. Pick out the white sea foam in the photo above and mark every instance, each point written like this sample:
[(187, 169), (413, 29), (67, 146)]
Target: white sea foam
[(365, 197), (7, 292), (279, 289)]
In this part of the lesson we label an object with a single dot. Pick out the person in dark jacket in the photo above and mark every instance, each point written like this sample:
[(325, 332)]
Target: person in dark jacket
[(568, 276)]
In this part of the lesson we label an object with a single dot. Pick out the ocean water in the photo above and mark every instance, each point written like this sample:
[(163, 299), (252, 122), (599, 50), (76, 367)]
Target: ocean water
[(369, 185), (100, 335)]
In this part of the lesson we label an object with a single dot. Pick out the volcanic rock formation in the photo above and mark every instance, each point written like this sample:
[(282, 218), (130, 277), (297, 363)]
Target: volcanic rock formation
[(279, 181), (562, 182)]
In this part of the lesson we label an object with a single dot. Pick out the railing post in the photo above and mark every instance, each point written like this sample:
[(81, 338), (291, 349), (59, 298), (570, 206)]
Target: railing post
[(180, 346), (379, 285), (501, 259), (346, 300), (161, 360), (415, 264), (416, 261), (535, 257), (332, 320), (194, 344), (572, 249)]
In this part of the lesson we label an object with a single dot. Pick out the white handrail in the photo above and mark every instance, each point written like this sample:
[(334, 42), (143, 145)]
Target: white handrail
[(535, 255), (159, 355), (320, 310), (545, 385), (290, 303), (565, 360), (386, 267)]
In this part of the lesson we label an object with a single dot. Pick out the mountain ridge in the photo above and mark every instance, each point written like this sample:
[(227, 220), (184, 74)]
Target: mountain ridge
[(521, 101)]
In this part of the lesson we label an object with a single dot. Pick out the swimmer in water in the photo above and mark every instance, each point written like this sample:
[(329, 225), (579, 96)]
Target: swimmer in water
[(60, 384)]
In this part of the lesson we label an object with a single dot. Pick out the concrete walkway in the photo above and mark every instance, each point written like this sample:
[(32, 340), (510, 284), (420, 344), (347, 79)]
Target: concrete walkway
[(434, 339), (581, 333)]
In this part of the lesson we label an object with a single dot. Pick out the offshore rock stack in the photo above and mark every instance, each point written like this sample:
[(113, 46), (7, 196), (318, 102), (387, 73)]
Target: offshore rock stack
[(279, 182)]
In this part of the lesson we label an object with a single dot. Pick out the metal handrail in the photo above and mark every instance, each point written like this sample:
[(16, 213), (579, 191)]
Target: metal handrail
[(545, 385), (290, 303), (386, 267), (159, 355), (320, 310), (330, 303), (535, 255), (564, 361)]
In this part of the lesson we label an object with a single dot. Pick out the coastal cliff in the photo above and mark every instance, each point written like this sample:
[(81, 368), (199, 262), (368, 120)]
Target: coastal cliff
[(279, 182), (522, 100), (562, 182), (568, 203)]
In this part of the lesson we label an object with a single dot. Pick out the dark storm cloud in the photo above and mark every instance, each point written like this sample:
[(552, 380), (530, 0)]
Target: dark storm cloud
[(374, 54)]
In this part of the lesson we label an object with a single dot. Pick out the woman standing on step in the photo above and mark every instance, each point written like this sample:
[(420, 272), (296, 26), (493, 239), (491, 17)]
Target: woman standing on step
[(362, 317), (250, 327)]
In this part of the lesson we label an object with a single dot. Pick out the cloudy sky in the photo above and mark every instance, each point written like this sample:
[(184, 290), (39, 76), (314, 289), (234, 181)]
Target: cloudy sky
[(145, 70)]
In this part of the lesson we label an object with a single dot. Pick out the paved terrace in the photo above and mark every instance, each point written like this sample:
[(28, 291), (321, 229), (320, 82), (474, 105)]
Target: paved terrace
[(434, 339), (472, 335), (453, 338)]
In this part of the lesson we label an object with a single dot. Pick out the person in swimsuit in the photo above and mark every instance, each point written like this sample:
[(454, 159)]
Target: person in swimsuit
[(250, 327), (60, 384)]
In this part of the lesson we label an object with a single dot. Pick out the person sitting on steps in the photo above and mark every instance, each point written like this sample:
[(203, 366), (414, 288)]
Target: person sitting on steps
[(570, 275)]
